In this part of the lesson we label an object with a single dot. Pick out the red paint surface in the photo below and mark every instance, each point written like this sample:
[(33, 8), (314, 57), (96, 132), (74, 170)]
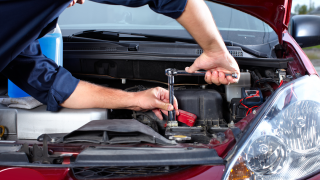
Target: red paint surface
[(33, 173), (276, 13), (224, 147), (20, 173), (301, 61), (316, 177), (301, 64), (194, 173), (246, 120)]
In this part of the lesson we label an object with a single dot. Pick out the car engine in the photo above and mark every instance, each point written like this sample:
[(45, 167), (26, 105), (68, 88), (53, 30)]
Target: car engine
[(206, 111)]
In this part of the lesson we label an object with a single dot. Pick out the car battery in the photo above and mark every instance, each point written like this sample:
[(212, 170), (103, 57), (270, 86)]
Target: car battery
[(239, 107), (251, 96)]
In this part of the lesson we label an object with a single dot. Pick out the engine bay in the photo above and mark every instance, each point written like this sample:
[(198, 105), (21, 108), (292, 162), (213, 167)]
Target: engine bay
[(211, 117), (206, 111)]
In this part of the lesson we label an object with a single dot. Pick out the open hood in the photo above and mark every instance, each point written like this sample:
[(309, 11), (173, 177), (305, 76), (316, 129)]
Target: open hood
[(276, 13)]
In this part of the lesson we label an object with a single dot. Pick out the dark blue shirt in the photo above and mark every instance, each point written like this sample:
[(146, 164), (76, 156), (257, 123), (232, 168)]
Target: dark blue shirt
[(22, 22)]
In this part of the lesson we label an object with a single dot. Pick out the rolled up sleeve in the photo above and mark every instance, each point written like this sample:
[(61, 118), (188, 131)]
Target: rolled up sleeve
[(171, 8), (41, 77)]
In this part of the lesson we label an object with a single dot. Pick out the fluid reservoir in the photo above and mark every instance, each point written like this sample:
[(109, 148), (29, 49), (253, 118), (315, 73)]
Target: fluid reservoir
[(52, 47)]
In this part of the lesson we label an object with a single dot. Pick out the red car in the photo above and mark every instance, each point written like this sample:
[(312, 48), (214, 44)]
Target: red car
[(265, 127)]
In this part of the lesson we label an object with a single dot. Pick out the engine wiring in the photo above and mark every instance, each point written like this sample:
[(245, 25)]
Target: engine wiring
[(280, 83), (265, 80), (249, 108), (262, 82)]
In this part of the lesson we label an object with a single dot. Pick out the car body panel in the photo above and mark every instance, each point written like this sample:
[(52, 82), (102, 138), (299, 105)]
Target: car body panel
[(315, 177), (36, 173), (303, 58), (276, 13)]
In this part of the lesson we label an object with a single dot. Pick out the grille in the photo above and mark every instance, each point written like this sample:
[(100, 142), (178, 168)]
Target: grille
[(199, 51), (234, 53), (122, 172)]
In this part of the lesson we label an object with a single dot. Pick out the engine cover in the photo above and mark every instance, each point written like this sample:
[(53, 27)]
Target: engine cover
[(206, 104)]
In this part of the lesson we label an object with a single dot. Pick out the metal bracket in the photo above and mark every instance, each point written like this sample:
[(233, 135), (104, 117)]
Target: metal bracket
[(171, 72), (40, 154)]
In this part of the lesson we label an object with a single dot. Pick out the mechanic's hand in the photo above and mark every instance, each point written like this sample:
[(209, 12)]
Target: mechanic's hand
[(218, 64), (73, 2), (154, 99)]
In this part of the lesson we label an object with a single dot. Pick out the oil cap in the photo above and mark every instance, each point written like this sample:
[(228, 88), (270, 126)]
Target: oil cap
[(180, 137)]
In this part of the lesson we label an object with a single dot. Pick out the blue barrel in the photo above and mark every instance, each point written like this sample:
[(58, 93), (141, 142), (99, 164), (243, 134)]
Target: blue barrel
[(52, 47)]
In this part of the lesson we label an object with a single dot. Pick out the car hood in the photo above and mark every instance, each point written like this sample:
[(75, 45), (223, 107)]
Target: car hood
[(276, 13)]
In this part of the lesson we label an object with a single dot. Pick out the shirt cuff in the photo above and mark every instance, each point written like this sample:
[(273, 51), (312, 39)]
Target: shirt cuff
[(62, 88)]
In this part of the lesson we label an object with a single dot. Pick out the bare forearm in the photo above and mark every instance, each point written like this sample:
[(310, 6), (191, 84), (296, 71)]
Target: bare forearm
[(87, 95), (198, 20)]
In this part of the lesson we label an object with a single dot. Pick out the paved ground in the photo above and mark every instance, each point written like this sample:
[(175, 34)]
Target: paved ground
[(316, 64), (314, 56)]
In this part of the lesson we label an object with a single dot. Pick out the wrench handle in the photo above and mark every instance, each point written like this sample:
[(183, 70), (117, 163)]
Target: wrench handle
[(198, 73)]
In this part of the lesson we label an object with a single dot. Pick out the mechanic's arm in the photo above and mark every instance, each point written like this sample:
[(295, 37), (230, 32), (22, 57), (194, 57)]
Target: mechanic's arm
[(196, 17), (198, 20), (54, 86), (87, 95)]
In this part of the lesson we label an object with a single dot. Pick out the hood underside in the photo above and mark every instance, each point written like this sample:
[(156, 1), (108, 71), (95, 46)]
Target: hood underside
[(276, 13)]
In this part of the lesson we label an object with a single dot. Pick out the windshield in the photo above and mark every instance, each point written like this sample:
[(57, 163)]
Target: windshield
[(233, 25)]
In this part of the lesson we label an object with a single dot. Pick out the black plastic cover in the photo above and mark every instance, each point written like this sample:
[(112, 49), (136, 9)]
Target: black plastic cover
[(114, 131), (147, 156), (9, 155), (113, 172), (205, 103), (13, 158), (253, 101)]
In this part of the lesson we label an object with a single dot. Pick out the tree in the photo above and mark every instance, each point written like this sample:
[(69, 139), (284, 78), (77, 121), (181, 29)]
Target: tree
[(303, 9)]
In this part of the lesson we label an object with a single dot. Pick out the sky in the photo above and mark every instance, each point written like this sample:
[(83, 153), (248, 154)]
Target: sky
[(306, 2)]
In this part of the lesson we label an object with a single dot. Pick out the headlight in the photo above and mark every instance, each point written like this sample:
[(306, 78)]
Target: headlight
[(283, 141)]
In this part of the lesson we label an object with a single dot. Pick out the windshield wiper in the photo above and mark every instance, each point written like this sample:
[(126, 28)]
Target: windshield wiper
[(246, 49), (130, 46), (115, 36)]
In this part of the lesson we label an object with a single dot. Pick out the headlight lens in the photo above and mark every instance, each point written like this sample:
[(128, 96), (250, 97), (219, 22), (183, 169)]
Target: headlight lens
[(266, 155), (285, 143)]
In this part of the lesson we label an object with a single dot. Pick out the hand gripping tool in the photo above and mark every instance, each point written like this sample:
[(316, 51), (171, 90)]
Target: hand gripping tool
[(171, 72)]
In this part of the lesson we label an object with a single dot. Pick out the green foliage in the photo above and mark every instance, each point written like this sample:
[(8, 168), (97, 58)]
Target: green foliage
[(313, 53), (313, 47), (304, 9)]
